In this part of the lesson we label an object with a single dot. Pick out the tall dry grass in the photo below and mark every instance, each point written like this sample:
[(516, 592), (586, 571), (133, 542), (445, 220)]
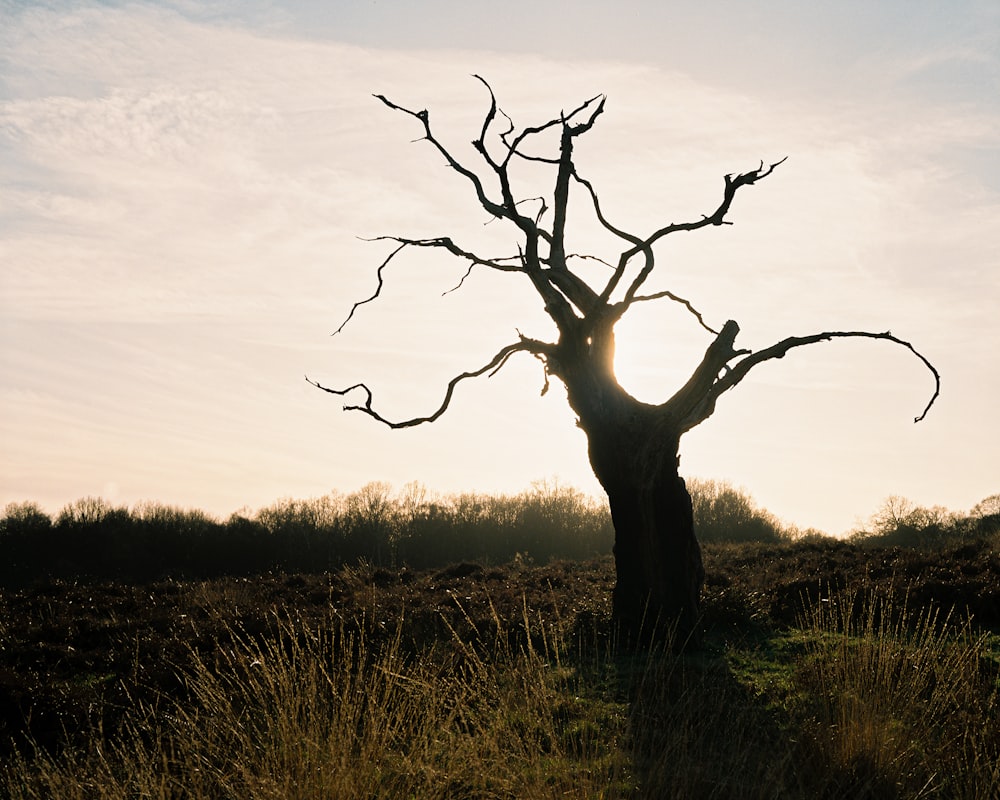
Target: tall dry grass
[(334, 712), (905, 700), (877, 702)]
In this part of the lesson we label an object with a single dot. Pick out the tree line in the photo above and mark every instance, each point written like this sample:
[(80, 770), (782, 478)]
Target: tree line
[(92, 538)]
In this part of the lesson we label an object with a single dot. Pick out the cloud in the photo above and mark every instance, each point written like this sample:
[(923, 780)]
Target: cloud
[(180, 237)]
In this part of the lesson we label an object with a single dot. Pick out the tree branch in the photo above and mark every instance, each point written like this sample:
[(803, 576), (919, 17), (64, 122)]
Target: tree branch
[(562, 119), (695, 401), (533, 346), (378, 289), (496, 263), (423, 117), (638, 244), (560, 294), (620, 308), (717, 217), (738, 371), (574, 287), (444, 242), (588, 257), (480, 143), (500, 169), (447, 243), (557, 254)]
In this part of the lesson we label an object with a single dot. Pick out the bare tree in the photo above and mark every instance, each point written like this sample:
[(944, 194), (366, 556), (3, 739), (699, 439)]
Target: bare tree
[(633, 445)]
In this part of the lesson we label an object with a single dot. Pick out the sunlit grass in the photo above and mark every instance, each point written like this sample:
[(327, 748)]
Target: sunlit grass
[(865, 698), (904, 699), (331, 712)]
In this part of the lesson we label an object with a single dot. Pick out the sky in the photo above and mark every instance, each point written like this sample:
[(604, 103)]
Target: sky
[(186, 189)]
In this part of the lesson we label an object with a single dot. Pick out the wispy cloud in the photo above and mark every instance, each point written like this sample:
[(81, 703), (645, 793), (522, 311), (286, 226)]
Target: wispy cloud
[(179, 236)]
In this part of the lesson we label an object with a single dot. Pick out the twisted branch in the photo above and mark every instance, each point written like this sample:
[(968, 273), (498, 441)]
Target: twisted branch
[(739, 371), (696, 400), (423, 117), (495, 364), (677, 299), (717, 217), (378, 289)]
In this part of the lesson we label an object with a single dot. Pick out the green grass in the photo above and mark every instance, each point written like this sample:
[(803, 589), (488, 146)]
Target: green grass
[(886, 701)]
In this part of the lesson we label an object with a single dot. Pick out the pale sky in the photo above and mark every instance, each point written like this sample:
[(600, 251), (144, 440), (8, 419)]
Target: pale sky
[(183, 188)]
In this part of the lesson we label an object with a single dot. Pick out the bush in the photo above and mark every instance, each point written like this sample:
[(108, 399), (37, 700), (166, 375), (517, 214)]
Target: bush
[(725, 514)]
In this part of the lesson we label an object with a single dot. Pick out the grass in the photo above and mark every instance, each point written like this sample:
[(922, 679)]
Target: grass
[(863, 696), (313, 711), (902, 703)]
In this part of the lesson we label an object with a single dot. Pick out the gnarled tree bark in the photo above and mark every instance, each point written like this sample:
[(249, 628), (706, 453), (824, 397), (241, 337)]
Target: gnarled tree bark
[(633, 446)]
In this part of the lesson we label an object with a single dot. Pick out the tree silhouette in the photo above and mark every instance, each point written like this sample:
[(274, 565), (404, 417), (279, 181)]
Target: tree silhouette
[(633, 445)]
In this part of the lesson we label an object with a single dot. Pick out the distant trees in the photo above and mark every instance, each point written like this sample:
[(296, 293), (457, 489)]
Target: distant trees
[(987, 509), (377, 525), (91, 538), (725, 514), (900, 522), (24, 518)]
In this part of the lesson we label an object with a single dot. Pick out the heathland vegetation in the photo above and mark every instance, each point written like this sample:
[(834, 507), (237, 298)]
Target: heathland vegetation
[(400, 645)]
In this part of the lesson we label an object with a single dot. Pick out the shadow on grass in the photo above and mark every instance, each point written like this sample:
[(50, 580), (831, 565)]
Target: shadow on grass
[(822, 711)]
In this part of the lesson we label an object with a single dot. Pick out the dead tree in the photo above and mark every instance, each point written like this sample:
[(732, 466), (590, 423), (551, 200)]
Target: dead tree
[(633, 445)]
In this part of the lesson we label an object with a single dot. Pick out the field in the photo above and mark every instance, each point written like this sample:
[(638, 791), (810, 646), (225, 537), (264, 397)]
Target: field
[(828, 670)]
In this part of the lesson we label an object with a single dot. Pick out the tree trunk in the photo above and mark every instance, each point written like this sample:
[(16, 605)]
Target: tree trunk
[(659, 572)]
